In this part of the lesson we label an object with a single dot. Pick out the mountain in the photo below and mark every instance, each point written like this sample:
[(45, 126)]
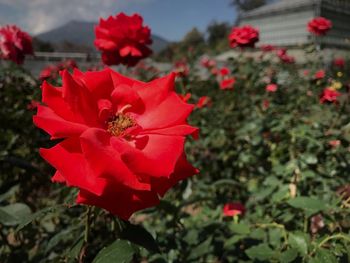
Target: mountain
[(79, 36)]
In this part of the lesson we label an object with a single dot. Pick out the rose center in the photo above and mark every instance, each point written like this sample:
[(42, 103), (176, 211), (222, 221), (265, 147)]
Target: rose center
[(119, 124)]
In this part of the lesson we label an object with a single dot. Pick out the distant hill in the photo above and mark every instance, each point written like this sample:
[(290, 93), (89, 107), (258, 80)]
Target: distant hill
[(79, 36)]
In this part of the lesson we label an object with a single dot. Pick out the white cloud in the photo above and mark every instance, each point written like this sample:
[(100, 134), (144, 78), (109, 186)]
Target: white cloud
[(37, 16)]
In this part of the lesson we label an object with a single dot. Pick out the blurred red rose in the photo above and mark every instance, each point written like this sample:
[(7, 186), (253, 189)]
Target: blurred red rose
[(245, 36), (123, 39), (271, 88), (267, 48), (204, 101), (329, 95), (320, 74), (214, 71), (224, 71), (284, 57), (227, 83), (339, 62), (14, 44), (319, 26), (233, 209), (122, 142), (206, 62), (52, 71), (181, 68)]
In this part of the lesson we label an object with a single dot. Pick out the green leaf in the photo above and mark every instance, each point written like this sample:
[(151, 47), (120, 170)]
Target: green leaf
[(28, 219), (74, 251), (299, 242), (11, 214), (139, 236), (324, 255), (61, 236), (307, 203), (7, 219), (201, 249), (260, 252), (346, 132), (120, 251), (240, 228), (191, 237), (289, 255), (232, 240), (275, 236)]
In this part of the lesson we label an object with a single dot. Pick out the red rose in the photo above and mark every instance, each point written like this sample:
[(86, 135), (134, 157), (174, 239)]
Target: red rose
[(207, 62), (224, 71), (319, 26), (267, 48), (284, 57), (271, 88), (123, 142), (14, 44), (204, 101), (52, 71), (329, 95), (123, 39), (233, 209), (245, 36), (339, 62), (181, 68), (320, 74), (227, 83)]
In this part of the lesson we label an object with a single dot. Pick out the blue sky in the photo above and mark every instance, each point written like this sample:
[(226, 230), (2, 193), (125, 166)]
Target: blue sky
[(170, 19)]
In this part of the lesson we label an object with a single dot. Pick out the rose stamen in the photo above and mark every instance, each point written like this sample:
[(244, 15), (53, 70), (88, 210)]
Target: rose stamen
[(119, 124)]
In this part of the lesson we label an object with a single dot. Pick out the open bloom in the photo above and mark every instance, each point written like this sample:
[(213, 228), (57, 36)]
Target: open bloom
[(233, 209), (320, 74), (14, 44), (339, 62), (224, 71), (123, 39), (319, 26), (245, 36), (271, 88), (329, 95), (227, 83), (122, 142)]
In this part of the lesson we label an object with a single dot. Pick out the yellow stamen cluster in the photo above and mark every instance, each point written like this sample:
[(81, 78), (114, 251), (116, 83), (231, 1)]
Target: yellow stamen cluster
[(119, 124)]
